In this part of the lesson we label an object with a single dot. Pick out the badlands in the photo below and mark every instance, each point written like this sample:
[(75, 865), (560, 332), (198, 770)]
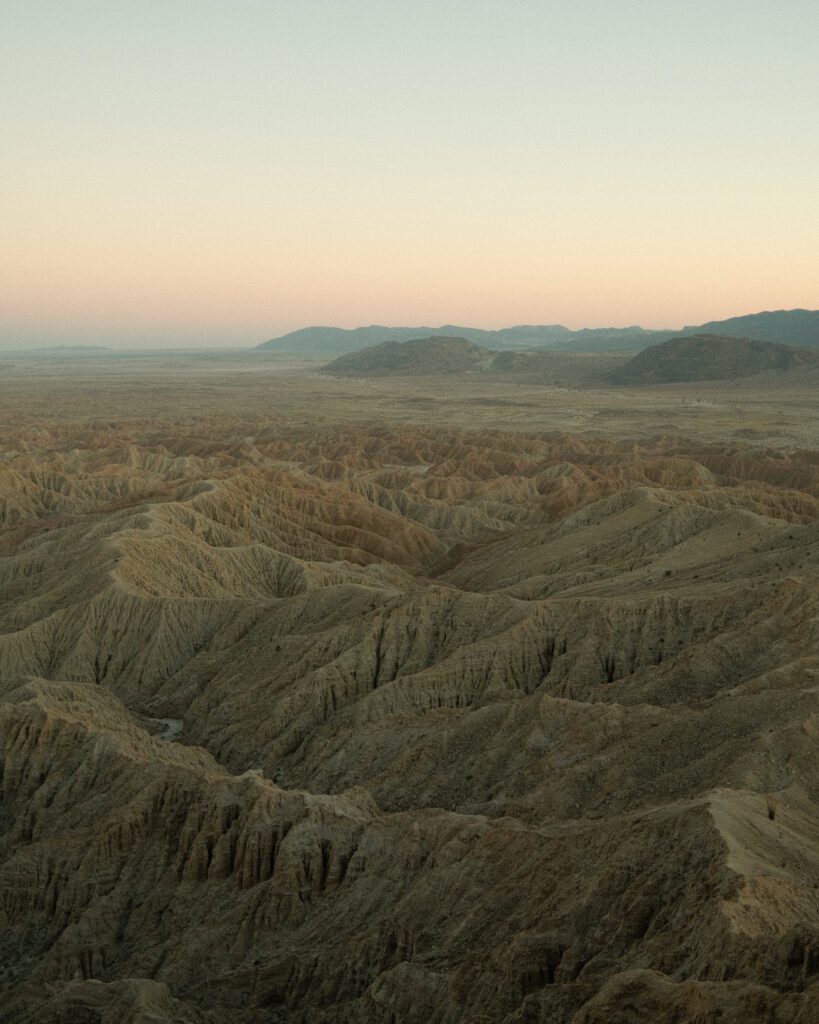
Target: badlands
[(406, 701)]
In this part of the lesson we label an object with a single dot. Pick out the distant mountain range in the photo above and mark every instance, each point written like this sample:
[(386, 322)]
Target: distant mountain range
[(798, 327), (338, 340), (66, 351)]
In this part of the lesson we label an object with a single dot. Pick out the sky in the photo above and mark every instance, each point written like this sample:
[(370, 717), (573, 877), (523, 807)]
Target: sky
[(193, 172)]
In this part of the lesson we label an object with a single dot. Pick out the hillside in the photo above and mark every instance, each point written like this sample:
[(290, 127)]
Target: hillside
[(799, 327), (420, 357), (710, 357)]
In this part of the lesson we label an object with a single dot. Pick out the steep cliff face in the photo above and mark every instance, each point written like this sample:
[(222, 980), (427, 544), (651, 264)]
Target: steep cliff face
[(407, 726)]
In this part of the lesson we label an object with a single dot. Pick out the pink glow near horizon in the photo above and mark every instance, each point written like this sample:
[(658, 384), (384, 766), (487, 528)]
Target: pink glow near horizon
[(190, 174)]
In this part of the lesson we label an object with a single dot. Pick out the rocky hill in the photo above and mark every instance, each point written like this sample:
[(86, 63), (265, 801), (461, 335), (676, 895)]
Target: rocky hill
[(711, 357), (419, 357)]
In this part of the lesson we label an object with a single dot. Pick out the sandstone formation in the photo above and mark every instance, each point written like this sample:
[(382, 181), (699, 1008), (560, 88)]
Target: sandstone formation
[(321, 722)]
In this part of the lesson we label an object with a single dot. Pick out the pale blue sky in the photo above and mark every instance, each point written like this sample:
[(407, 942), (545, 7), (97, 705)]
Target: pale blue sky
[(211, 172)]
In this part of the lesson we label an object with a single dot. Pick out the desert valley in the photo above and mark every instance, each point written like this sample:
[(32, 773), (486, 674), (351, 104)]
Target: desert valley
[(425, 682), (409, 512)]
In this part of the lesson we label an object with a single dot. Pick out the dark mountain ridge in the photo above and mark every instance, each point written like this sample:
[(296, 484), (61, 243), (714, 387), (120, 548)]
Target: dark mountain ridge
[(796, 327)]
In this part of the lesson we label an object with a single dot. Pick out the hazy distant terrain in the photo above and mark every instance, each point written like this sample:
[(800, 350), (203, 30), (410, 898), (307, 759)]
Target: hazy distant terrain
[(711, 357), (793, 327), (699, 357), (429, 357), (63, 351), (328, 340), (798, 327), (419, 357)]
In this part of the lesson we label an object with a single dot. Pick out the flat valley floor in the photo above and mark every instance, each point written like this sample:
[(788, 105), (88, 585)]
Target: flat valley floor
[(405, 701)]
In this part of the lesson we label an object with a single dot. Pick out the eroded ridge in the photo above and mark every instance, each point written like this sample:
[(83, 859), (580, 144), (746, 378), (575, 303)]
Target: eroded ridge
[(376, 723)]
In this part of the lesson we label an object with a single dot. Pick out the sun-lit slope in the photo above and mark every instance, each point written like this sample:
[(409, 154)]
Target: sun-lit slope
[(514, 708)]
